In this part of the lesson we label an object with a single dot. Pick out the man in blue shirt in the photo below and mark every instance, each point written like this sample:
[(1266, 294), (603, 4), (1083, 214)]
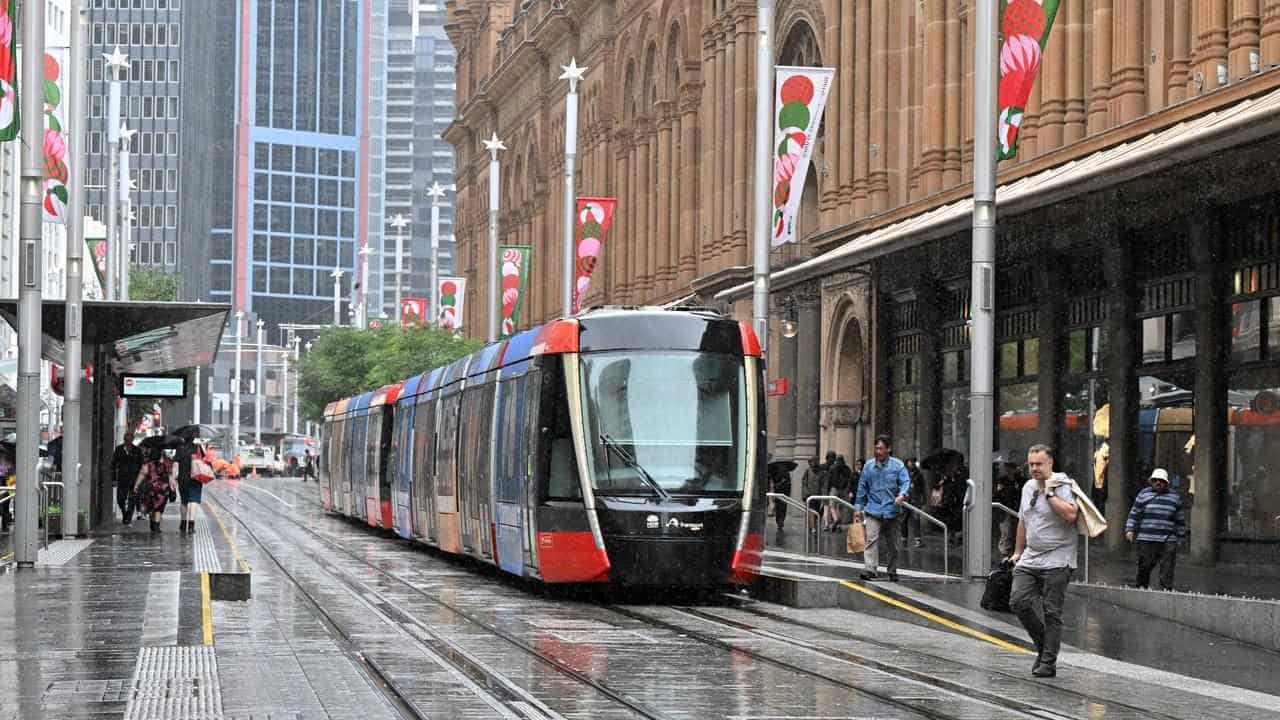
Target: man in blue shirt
[(882, 488), (1158, 523)]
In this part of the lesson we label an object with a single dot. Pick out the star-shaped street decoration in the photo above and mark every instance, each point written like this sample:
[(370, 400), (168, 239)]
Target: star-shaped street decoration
[(126, 134), (435, 191), (116, 58), (337, 273), (399, 221), (133, 184), (493, 144), (572, 73)]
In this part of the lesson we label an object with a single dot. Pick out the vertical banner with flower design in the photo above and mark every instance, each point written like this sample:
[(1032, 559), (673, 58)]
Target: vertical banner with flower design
[(9, 115), (413, 312), (595, 215), (515, 276), (97, 248), (799, 100), (453, 290), (1024, 34), (56, 171)]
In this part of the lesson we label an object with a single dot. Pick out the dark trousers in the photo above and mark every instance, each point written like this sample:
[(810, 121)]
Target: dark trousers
[(1049, 586), (126, 501), (1151, 554), (779, 512)]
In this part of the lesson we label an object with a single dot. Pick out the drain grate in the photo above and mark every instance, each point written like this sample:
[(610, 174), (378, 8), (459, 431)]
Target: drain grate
[(175, 682), (206, 559), (60, 551)]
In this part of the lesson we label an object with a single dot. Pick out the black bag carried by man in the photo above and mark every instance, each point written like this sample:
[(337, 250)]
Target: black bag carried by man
[(999, 588)]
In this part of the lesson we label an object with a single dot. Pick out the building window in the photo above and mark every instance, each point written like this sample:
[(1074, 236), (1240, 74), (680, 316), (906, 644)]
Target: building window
[(171, 216), (173, 143), (97, 71), (149, 34), (162, 73)]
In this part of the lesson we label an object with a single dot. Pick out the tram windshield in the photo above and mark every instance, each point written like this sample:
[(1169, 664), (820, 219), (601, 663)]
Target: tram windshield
[(663, 423)]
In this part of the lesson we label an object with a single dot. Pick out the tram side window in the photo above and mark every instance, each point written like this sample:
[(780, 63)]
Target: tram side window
[(372, 434), (557, 463), (386, 469), (423, 447)]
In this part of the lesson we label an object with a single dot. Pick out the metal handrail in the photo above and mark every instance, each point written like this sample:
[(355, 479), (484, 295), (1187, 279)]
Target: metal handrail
[(1008, 510), (788, 500), (946, 547), (840, 500)]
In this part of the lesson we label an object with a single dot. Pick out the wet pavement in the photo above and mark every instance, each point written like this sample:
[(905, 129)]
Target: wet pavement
[(349, 622)]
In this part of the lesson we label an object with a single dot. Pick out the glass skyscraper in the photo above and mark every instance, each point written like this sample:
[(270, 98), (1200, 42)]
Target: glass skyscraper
[(296, 192)]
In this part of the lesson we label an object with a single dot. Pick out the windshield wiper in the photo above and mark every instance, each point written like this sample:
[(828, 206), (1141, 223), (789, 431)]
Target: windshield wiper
[(610, 444)]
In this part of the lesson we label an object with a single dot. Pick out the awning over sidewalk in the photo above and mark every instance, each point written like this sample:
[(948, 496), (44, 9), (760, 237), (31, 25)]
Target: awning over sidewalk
[(146, 337), (1189, 141)]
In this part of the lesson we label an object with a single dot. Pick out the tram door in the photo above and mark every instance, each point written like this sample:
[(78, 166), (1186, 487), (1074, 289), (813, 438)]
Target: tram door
[(475, 427), (402, 465), (426, 523), (510, 474), (446, 479)]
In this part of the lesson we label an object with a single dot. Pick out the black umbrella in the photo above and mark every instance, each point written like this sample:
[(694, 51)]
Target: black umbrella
[(191, 432), (779, 467), (164, 442), (942, 460)]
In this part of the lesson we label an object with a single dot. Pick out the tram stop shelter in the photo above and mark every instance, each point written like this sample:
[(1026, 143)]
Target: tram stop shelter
[(120, 338)]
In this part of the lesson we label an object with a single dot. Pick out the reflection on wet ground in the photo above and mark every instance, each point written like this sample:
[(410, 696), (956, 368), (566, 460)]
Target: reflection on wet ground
[(349, 622)]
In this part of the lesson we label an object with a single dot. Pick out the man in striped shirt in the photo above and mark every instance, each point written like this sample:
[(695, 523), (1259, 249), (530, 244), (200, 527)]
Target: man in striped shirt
[(1158, 523)]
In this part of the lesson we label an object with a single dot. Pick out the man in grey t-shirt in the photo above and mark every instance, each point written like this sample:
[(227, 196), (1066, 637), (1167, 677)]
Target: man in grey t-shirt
[(1044, 556)]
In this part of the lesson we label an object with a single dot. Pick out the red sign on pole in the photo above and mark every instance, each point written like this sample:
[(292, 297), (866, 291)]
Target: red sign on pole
[(778, 387)]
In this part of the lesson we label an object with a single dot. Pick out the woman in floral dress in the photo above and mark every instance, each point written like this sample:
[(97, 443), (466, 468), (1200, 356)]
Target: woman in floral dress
[(156, 485)]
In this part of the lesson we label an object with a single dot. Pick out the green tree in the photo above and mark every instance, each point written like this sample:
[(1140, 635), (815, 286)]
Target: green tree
[(346, 361), (152, 284)]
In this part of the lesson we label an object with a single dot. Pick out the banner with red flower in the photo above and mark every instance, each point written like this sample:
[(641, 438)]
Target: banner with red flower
[(413, 312), (97, 248), (800, 98), (515, 276), (56, 171), (453, 291), (595, 215), (1024, 34), (9, 115)]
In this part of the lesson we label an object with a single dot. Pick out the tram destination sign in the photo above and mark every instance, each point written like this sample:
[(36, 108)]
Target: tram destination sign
[(153, 386)]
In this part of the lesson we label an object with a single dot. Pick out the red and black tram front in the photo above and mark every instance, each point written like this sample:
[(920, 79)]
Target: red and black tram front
[(670, 443)]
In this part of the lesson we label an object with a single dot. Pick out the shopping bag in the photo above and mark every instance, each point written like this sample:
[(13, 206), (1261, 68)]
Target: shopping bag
[(1089, 520), (855, 538), (201, 471)]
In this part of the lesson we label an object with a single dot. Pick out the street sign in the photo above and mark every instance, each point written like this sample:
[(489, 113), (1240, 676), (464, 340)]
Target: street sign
[(778, 387), (153, 386)]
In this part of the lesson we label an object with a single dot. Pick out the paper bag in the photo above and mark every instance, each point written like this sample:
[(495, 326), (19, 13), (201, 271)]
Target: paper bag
[(855, 539)]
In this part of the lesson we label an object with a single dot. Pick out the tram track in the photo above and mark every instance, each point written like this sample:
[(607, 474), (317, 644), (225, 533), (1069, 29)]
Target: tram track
[(515, 701), (914, 706)]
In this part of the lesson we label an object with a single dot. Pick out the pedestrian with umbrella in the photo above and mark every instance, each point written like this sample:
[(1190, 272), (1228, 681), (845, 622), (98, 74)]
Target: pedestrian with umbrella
[(156, 483), (126, 462)]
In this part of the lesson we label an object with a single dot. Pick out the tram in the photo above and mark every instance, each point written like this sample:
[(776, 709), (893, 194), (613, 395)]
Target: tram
[(622, 446)]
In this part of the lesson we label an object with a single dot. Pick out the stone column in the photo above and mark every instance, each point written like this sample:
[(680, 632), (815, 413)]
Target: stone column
[(930, 366), (1180, 59), (1051, 296), (846, 109), (953, 93), (715, 150), (668, 143), (1213, 345), (1128, 73), (643, 236), (808, 384), (861, 109), (692, 204), (743, 103), (1122, 380), (878, 175), (1244, 37), (1076, 115), (729, 149), (834, 121), (1210, 27), (1053, 81), (627, 206), (1100, 91), (1270, 34), (935, 95)]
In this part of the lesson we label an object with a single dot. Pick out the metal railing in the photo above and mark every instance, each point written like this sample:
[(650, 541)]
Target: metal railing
[(833, 498), (946, 547), (788, 500), (46, 498)]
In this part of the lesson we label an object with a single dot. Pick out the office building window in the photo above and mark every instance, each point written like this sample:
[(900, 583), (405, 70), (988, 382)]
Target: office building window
[(171, 216), (145, 183), (173, 143), (172, 180), (173, 34), (144, 216), (173, 71), (148, 108), (173, 107), (135, 70), (162, 34), (149, 34), (97, 71), (162, 74), (95, 106), (146, 146), (148, 71)]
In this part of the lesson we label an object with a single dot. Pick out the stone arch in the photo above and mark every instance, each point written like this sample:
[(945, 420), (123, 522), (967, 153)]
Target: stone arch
[(844, 370), (629, 104), (649, 90), (674, 53)]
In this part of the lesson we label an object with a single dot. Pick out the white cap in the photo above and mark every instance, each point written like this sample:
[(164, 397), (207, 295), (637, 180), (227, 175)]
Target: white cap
[(1160, 474)]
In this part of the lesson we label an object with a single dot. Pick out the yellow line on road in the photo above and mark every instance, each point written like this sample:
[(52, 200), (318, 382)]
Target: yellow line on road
[(206, 609), (6, 558), (235, 550), (935, 617)]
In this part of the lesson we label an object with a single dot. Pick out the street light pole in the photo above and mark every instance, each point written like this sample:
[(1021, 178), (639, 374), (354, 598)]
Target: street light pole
[(398, 222), (435, 192), (763, 171), (116, 61), (29, 263), (297, 342), (297, 396), (258, 384), (493, 145), (77, 88), (368, 252), (235, 389), (573, 74), (977, 540), (284, 395), (126, 212), (337, 295)]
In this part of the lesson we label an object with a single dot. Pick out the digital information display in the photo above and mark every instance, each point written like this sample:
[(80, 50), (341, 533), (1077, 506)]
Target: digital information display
[(153, 386)]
